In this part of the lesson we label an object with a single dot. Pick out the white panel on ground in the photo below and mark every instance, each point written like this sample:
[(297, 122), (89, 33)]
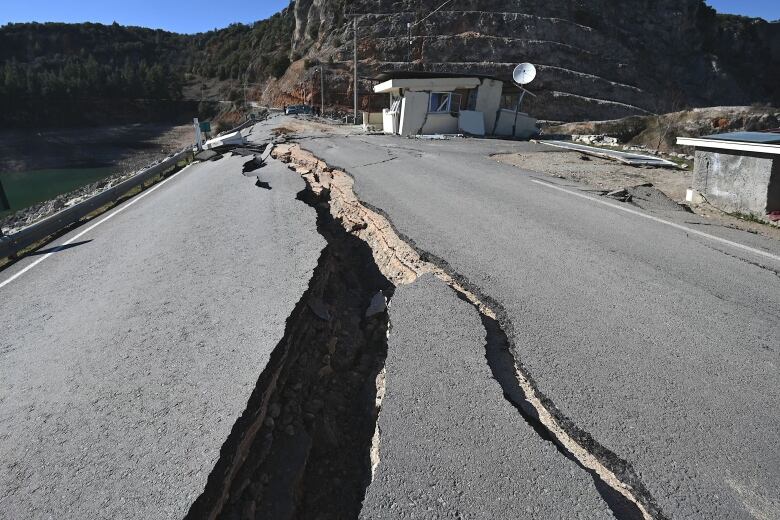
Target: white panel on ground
[(223, 140), (471, 122)]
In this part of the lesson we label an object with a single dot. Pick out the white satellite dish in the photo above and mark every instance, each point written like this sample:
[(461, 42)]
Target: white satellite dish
[(524, 73)]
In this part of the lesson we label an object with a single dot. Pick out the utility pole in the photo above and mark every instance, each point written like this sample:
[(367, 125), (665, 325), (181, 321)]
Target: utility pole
[(409, 50), (355, 87), (410, 25), (322, 91)]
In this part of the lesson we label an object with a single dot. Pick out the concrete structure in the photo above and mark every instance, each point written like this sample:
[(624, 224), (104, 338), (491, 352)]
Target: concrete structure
[(427, 103), (738, 172)]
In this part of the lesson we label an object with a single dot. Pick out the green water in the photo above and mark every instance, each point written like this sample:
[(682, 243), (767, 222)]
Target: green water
[(24, 189)]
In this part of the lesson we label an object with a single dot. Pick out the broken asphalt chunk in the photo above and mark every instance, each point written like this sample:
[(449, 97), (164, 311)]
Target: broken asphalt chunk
[(319, 309), (378, 305), (207, 155)]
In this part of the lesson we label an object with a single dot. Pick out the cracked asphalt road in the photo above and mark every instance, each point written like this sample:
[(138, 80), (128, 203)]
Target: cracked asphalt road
[(451, 446), (662, 344), (125, 361)]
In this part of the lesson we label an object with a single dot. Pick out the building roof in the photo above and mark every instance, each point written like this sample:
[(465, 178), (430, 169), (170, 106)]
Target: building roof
[(755, 142), (418, 74), (747, 137)]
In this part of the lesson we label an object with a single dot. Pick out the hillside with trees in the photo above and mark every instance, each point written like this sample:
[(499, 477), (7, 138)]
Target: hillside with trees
[(70, 74)]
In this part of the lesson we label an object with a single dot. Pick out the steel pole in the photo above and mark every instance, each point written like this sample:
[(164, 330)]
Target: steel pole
[(322, 91), (409, 48), (355, 87)]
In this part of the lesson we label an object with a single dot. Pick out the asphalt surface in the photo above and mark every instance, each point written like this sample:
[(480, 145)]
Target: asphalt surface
[(126, 359), (451, 446), (662, 343)]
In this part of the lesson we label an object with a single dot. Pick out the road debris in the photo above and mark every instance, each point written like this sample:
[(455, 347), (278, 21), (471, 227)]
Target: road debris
[(378, 305), (632, 159)]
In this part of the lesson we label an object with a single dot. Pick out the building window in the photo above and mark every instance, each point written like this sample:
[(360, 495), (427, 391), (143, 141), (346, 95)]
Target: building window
[(444, 102)]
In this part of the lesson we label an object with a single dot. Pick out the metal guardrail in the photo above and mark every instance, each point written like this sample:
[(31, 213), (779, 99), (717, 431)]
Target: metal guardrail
[(12, 244)]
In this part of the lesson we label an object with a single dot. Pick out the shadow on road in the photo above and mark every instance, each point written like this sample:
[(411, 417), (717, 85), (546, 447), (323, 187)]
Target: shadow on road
[(57, 249)]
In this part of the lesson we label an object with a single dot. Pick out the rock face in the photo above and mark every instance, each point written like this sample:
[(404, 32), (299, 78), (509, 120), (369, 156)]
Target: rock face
[(597, 59)]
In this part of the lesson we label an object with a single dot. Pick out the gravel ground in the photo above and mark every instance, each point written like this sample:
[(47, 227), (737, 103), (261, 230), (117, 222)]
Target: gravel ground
[(610, 175)]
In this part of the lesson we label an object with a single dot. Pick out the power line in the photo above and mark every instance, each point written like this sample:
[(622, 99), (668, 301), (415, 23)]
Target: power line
[(431, 13)]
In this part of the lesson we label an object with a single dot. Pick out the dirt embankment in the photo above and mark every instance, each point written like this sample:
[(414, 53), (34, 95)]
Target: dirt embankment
[(125, 147), (607, 176), (661, 132)]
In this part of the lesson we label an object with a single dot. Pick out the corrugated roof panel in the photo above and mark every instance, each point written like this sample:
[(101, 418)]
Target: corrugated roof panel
[(747, 137)]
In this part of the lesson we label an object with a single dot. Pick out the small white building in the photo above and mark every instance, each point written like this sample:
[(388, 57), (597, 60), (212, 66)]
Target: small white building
[(423, 103)]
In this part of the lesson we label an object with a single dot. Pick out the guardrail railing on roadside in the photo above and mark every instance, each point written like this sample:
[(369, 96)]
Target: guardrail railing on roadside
[(10, 245)]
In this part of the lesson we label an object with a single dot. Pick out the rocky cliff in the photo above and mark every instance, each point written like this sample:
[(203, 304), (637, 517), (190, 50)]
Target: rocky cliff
[(597, 59)]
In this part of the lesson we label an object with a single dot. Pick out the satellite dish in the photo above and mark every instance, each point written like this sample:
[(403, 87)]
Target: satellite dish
[(524, 73)]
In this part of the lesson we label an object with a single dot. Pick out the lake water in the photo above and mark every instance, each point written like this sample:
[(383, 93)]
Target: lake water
[(24, 189)]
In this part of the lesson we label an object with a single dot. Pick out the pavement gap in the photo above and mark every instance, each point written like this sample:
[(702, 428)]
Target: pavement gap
[(303, 448), (614, 478)]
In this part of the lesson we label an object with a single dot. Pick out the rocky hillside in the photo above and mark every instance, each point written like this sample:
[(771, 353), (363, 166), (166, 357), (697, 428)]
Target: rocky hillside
[(597, 59)]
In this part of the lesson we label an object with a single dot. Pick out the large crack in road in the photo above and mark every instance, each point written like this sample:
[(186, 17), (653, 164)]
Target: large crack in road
[(308, 443), (402, 263)]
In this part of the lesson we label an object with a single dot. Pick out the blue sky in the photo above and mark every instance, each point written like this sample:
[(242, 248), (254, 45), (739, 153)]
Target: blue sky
[(184, 16), (767, 9), (189, 16)]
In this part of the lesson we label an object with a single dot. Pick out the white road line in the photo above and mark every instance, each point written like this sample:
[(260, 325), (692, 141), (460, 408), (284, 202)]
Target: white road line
[(90, 228), (661, 221)]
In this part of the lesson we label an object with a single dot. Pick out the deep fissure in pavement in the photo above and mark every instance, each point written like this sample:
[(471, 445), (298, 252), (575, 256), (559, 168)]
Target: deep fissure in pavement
[(502, 366), (402, 263), (303, 448)]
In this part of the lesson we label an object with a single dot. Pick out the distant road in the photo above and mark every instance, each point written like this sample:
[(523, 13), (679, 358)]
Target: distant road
[(126, 359)]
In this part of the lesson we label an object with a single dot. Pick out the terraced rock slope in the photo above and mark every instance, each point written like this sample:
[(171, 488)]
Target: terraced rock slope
[(597, 59)]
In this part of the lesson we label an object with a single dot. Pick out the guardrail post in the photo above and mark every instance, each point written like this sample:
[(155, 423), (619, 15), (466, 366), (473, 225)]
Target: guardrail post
[(4, 204)]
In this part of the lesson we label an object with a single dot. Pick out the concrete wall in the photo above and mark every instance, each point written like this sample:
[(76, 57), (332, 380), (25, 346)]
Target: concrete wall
[(773, 193), (373, 118), (441, 123), (525, 129), (738, 183), (489, 101), (389, 122), (414, 108)]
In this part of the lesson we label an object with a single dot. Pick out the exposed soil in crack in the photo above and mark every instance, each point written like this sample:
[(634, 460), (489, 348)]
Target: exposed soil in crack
[(307, 443), (402, 263)]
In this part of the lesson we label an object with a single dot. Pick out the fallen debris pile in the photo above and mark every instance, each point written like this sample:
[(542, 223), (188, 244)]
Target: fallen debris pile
[(647, 197)]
